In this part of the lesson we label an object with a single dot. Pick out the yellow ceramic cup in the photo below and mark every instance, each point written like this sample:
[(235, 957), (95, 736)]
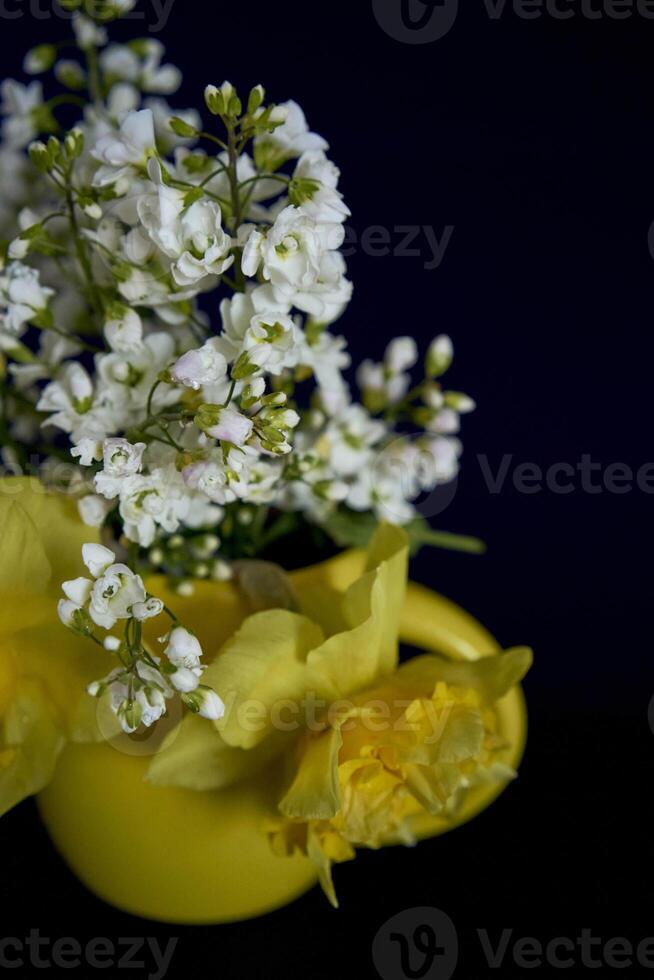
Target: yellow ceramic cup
[(187, 857)]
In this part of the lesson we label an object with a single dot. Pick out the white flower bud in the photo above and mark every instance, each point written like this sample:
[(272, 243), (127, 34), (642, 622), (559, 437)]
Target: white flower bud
[(401, 354), (205, 702), (19, 248), (147, 610), (93, 509), (226, 425), (196, 368), (183, 648)]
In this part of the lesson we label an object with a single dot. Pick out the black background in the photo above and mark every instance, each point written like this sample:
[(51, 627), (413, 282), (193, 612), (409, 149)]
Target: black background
[(533, 138)]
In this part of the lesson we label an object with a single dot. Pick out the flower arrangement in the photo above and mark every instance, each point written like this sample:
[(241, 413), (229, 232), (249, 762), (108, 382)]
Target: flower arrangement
[(174, 400)]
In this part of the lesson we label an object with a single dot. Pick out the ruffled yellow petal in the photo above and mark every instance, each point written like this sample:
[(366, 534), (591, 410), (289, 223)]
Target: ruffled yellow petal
[(491, 676)]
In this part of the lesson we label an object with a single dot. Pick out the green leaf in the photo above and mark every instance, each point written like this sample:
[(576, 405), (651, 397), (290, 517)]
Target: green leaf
[(421, 534)]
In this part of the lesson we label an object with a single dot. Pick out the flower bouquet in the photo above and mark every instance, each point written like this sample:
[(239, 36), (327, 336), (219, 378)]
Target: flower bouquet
[(226, 716)]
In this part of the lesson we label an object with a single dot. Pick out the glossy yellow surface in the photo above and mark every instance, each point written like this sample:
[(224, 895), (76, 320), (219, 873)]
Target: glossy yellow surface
[(187, 857)]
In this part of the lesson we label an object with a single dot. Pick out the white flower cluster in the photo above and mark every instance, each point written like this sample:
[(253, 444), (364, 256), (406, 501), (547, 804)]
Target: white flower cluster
[(140, 687), (186, 412)]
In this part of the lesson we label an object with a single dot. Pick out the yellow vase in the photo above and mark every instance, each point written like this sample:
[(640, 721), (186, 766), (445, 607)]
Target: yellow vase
[(188, 857)]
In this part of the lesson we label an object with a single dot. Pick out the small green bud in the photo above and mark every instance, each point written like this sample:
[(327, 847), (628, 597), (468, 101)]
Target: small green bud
[(40, 156), (70, 74), (181, 128), (459, 402), (257, 95), (214, 100), (439, 357), (74, 144), (243, 367), (40, 59)]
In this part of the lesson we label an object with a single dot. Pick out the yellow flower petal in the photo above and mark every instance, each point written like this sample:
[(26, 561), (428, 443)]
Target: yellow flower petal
[(194, 756), (24, 570), (265, 664), (315, 793), (31, 742)]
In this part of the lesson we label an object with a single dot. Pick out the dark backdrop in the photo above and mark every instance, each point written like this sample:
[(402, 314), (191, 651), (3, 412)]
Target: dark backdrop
[(533, 139)]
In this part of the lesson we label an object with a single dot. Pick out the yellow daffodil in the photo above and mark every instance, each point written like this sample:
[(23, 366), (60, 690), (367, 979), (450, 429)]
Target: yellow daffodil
[(327, 744), (384, 747), (43, 669)]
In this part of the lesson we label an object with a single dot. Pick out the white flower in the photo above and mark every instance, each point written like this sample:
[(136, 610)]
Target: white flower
[(124, 331), (71, 399), (88, 451), (127, 378), (316, 180), (210, 478), (291, 251), (293, 137), (193, 237), (183, 649), (78, 590), (67, 612), (22, 297), (18, 105), (97, 558), (230, 426), (93, 510), (142, 68), (272, 341), (205, 366), (121, 460), (87, 33), (114, 594), (205, 703), (130, 146), (186, 680), (350, 438), (159, 499)]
